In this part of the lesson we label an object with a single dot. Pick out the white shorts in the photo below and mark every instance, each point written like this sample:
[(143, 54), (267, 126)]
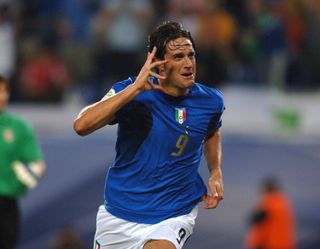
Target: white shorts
[(116, 233)]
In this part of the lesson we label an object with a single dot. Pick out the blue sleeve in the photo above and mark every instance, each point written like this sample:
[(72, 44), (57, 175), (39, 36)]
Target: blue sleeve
[(116, 88), (216, 119)]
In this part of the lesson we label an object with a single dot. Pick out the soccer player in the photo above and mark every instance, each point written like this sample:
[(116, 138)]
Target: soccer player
[(21, 166), (165, 121)]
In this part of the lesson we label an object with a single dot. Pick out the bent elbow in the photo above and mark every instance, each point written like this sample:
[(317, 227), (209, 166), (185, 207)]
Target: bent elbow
[(80, 128)]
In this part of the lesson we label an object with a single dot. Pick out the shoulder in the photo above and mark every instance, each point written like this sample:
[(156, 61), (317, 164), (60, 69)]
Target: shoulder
[(19, 122), (210, 92), (19, 125), (119, 86)]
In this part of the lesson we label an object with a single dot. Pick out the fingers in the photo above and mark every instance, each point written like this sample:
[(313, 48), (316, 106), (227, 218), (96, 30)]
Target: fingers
[(219, 191), (150, 58), (216, 188), (158, 63), (154, 86), (142, 81), (151, 55), (216, 194), (151, 73), (210, 201), (149, 64)]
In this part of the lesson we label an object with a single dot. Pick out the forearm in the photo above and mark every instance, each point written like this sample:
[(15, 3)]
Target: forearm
[(102, 113), (213, 155)]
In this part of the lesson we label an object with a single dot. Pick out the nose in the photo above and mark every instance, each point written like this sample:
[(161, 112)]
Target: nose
[(188, 61)]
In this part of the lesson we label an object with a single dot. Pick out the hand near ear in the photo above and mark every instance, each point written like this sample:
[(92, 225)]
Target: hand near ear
[(143, 80)]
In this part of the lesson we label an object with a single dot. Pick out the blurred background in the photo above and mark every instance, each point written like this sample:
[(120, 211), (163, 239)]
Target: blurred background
[(263, 54)]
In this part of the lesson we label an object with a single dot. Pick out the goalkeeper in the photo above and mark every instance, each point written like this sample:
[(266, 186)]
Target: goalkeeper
[(21, 166)]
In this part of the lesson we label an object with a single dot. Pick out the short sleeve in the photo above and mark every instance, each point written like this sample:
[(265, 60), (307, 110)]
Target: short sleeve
[(216, 119), (116, 88), (29, 149)]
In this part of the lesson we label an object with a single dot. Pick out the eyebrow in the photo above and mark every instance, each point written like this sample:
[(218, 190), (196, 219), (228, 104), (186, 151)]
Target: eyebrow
[(174, 53)]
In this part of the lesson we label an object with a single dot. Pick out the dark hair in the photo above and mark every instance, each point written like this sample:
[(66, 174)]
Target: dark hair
[(5, 82), (165, 33), (270, 184)]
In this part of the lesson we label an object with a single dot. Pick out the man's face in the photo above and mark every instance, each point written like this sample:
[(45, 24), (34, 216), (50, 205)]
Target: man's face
[(4, 96), (180, 68)]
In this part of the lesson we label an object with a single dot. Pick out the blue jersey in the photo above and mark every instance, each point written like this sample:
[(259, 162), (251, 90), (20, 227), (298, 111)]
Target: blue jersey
[(158, 151)]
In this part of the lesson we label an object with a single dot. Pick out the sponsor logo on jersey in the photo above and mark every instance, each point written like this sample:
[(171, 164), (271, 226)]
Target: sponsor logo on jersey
[(181, 115), (8, 135)]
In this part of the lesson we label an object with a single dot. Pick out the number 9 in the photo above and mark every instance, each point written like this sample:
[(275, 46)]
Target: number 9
[(181, 145)]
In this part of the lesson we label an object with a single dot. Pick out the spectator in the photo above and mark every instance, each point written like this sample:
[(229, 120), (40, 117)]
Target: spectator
[(44, 77), (67, 239), (311, 45), (7, 43), (272, 224), (216, 34), (121, 31)]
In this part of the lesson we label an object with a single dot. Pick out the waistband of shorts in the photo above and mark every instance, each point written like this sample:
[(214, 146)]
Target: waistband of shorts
[(143, 218)]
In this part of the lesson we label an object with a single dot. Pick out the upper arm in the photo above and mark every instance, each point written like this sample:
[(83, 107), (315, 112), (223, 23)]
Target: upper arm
[(214, 125), (212, 150), (213, 142)]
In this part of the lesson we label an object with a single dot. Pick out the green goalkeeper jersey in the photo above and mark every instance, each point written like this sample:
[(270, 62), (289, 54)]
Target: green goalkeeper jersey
[(17, 143)]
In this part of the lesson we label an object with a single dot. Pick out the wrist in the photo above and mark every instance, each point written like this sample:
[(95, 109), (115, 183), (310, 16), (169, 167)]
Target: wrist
[(30, 174), (215, 172), (136, 88)]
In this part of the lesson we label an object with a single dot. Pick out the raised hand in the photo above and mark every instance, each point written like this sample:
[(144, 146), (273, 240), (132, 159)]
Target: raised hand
[(143, 82)]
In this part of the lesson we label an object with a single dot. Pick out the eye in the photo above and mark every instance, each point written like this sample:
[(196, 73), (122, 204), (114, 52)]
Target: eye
[(192, 55), (178, 56)]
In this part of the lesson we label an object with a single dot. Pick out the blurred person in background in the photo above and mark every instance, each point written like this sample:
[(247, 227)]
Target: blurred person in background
[(295, 34), (311, 45), (272, 224), (7, 41), (67, 239), (21, 167), (166, 120), (215, 32), (215, 36), (265, 25), (44, 76), (120, 30)]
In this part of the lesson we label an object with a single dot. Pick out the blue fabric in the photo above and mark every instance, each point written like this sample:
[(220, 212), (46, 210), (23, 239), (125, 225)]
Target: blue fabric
[(155, 173)]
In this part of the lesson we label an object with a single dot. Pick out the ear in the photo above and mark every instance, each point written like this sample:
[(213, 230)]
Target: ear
[(161, 68)]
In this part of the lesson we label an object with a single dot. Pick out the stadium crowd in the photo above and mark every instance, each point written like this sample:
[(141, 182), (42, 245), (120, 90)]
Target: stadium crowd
[(50, 49)]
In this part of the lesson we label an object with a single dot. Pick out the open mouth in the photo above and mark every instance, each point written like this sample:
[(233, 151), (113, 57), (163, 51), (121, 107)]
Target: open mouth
[(187, 75)]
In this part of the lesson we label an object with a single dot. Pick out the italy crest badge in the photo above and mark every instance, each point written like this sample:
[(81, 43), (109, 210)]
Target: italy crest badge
[(181, 115)]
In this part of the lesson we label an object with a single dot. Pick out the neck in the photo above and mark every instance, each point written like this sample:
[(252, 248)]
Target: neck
[(173, 91)]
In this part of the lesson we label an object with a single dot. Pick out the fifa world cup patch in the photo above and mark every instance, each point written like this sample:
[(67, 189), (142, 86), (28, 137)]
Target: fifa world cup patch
[(109, 94), (181, 115)]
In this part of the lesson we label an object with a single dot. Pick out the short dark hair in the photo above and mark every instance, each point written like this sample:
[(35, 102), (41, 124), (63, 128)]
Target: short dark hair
[(165, 33), (5, 82), (270, 184)]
